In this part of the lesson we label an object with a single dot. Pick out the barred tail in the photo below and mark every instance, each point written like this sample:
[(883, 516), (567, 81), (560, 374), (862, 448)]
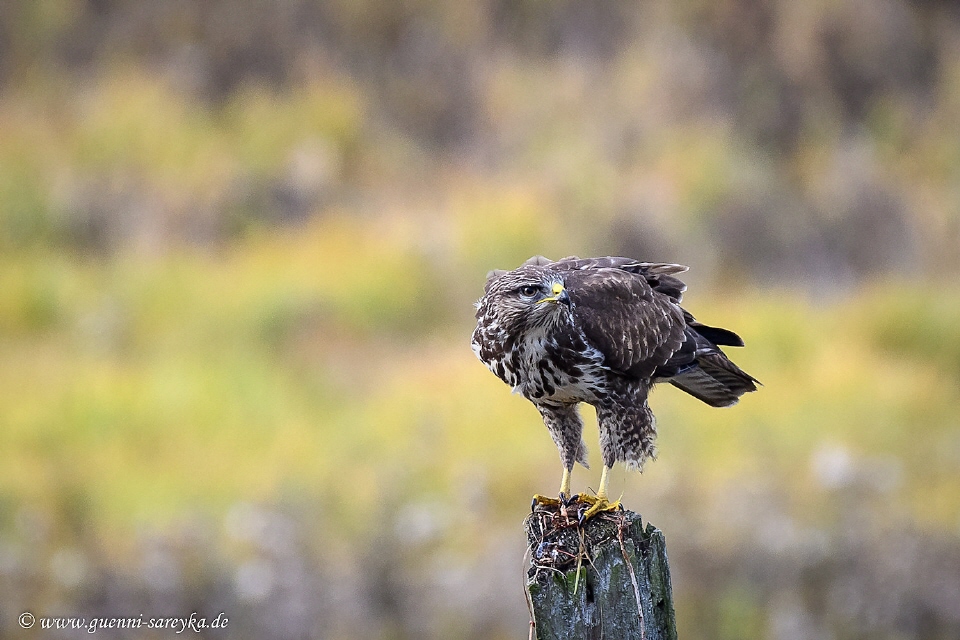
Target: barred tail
[(715, 380)]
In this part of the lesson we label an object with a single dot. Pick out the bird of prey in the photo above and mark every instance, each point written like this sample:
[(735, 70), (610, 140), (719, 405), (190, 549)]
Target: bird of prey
[(601, 331)]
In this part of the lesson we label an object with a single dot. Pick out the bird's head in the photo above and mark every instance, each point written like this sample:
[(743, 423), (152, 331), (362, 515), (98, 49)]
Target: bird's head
[(526, 298)]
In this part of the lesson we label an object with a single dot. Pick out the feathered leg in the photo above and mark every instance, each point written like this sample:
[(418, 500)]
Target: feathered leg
[(628, 431), (566, 428), (627, 434)]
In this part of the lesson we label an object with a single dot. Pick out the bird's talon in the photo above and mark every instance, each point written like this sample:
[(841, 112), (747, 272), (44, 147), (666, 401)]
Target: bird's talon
[(544, 501), (598, 505)]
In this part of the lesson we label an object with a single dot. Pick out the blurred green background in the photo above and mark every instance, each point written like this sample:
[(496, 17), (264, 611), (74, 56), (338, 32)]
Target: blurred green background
[(239, 245)]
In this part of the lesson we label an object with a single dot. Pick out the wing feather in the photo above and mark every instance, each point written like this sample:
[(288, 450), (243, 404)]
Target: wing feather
[(659, 275), (636, 328)]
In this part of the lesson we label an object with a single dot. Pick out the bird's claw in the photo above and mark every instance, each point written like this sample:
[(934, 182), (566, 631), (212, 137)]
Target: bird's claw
[(544, 501), (587, 506), (597, 504), (561, 503)]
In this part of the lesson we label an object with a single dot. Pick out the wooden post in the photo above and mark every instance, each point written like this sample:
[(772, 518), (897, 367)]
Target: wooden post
[(608, 578)]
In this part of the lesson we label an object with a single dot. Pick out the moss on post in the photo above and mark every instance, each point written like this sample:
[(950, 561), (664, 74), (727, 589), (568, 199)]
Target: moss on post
[(608, 578)]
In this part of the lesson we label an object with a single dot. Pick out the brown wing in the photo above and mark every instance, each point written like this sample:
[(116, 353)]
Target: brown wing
[(659, 275), (636, 328)]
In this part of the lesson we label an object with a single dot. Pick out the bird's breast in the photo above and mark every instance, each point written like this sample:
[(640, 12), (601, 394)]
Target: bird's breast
[(552, 369)]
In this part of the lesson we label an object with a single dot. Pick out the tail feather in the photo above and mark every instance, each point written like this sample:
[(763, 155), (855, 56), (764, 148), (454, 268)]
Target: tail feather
[(717, 335), (715, 380)]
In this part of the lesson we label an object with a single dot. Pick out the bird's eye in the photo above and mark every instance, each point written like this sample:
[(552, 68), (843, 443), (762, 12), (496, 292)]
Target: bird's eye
[(529, 291)]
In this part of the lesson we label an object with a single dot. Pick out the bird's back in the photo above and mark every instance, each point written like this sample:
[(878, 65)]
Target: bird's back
[(630, 311)]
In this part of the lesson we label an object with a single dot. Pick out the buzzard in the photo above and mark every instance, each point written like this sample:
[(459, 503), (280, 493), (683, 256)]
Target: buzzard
[(601, 331)]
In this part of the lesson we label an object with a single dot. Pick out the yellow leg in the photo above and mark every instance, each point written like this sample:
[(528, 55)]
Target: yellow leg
[(564, 493), (604, 483), (600, 502), (565, 483)]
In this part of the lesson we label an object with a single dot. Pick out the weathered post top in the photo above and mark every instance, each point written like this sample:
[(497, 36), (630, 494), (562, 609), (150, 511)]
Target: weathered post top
[(606, 578)]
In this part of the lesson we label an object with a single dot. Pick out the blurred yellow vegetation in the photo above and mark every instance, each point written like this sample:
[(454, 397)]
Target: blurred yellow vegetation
[(299, 363)]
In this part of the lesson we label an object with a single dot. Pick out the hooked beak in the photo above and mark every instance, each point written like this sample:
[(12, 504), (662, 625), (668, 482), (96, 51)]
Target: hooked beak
[(560, 295)]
